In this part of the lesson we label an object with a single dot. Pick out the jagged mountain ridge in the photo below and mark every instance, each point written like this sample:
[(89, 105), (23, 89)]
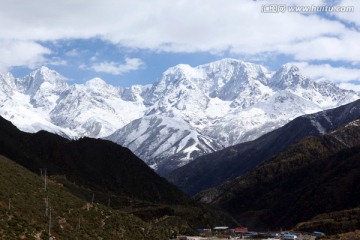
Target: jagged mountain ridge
[(213, 169), (44, 101), (188, 112), (224, 103)]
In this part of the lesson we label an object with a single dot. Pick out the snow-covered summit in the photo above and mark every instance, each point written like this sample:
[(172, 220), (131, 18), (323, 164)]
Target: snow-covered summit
[(188, 112), (289, 77), (226, 102), (41, 79), (43, 100), (96, 83)]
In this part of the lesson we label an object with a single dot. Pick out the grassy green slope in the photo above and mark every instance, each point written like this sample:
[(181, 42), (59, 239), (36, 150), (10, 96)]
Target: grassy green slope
[(127, 218)]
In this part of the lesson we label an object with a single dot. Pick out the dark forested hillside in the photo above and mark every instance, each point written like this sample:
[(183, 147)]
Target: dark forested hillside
[(344, 221), (93, 163), (91, 167), (315, 176)]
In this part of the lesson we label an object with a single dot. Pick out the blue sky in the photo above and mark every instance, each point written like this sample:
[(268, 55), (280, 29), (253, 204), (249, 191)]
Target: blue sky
[(133, 42), (73, 59)]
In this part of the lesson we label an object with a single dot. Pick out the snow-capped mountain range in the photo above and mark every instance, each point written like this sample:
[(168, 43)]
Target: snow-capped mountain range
[(44, 101), (188, 112)]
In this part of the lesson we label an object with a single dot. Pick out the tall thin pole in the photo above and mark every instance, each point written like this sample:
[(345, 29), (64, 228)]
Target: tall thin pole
[(92, 199), (46, 205), (9, 203), (50, 223), (45, 180)]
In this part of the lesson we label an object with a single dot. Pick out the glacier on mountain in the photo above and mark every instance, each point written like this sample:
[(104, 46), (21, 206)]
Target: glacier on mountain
[(188, 112)]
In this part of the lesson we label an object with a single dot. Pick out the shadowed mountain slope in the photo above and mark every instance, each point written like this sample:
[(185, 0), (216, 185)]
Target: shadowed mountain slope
[(97, 164), (213, 169), (317, 175)]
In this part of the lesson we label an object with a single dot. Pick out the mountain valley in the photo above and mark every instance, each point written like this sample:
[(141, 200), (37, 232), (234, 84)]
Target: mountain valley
[(232, 134)]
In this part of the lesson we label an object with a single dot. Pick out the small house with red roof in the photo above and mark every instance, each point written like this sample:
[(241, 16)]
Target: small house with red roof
[(239, 230)]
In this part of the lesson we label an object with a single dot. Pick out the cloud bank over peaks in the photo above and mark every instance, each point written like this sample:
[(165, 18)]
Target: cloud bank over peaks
[(236, 28), (131, 64), (21, 53)]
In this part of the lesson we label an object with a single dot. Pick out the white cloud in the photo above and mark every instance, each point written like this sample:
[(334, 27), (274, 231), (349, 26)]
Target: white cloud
[(72, 53), (350, 17), (114, 68), (184, 26), (326, 71), (342, 48), (56, 61), (83, 66), (21, 53), (350, 86)]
